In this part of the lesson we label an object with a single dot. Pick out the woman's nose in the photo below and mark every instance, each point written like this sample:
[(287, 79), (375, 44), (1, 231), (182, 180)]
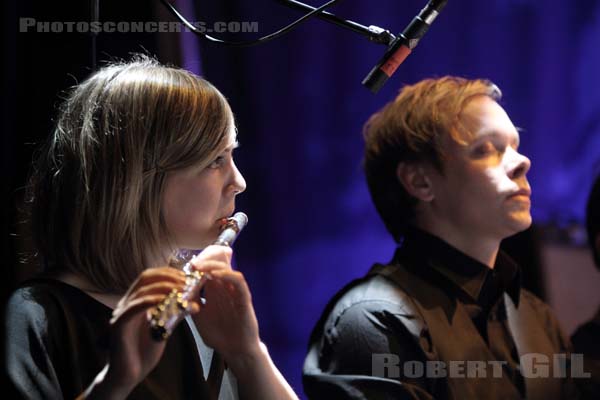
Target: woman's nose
[(239, 183)]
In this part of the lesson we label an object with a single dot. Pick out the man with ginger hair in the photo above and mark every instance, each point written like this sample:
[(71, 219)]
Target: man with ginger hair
[(446, 317)]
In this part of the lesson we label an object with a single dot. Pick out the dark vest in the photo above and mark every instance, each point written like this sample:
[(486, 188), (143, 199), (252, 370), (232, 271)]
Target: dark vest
[(528, 333)]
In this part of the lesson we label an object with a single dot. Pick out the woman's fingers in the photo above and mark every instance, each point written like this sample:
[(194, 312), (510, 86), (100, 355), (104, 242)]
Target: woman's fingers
[(227, 321), (213, 252), (130, 309), (224, 289), (145, 303), (152, 275), (233, 279), (208, 266), (158, 288)]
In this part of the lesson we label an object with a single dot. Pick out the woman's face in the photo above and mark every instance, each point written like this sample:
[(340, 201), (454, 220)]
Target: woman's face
[(197, 199)]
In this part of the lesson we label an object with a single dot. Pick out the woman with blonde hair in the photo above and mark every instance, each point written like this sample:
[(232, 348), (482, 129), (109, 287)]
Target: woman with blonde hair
[(139, 166)]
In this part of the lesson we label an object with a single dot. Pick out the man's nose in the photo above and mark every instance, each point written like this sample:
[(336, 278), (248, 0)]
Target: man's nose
[(518, 164)]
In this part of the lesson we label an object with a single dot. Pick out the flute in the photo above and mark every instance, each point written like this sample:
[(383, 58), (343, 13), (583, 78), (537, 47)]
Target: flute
[(165, 317)]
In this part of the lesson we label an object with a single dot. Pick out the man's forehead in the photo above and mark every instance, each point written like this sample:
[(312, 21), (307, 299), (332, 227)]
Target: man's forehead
[(512, 134), (484, 117)]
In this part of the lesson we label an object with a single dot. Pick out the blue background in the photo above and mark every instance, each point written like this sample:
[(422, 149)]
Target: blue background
[(300, 109)]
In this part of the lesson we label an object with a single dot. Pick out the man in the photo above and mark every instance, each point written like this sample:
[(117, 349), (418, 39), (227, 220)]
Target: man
[(446, 317), (586, 339)]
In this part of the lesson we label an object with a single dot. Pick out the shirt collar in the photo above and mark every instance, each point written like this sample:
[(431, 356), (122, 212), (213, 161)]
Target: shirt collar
[(473, 278)]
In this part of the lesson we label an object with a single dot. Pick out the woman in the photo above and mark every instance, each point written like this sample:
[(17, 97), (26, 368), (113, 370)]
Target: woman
[(140, 164)]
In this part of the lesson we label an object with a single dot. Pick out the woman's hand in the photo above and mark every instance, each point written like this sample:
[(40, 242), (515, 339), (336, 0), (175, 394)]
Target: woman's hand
[(228, 324), (227, 321), (133, 352)]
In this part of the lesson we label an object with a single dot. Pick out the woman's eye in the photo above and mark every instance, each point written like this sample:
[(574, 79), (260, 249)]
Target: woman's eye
[(217, 163)]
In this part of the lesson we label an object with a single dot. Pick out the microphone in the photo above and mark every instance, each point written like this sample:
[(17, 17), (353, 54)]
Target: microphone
[(401, 47)]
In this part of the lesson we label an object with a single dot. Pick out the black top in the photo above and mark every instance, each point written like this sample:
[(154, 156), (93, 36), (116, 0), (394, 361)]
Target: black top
[(383, 335), (586, 341), (57, 342)]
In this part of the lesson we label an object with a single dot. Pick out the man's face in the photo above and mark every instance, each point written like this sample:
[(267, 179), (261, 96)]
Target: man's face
[(484, 191)]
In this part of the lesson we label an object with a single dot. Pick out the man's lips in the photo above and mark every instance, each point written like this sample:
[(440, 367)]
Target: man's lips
[(521, 194)]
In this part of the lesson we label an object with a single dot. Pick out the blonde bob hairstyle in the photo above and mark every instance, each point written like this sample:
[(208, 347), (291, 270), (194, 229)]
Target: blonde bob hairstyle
[(97, 185), (412, 128)]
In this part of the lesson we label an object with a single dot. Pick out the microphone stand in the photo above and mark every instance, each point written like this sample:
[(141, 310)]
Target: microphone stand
[(372, 32), (398, 48)]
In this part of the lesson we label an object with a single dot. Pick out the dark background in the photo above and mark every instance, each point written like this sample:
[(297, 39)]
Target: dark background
[(300, 108)]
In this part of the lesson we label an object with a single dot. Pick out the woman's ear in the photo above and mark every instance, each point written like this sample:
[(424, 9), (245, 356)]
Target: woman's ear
[(415, 180)]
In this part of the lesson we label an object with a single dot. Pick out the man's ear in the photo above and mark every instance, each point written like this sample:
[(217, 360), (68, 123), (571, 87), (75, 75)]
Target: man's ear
[(415, 180)]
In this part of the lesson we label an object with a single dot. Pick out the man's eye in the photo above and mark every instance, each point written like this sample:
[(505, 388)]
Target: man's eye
[(217, 163), (484, 149)]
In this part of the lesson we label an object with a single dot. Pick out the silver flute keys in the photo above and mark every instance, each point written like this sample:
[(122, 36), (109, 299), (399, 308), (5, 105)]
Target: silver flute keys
[(166, 316)]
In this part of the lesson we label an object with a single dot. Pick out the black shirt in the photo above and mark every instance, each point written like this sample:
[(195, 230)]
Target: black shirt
[(57, 342), (586, 341), (383, 336)]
